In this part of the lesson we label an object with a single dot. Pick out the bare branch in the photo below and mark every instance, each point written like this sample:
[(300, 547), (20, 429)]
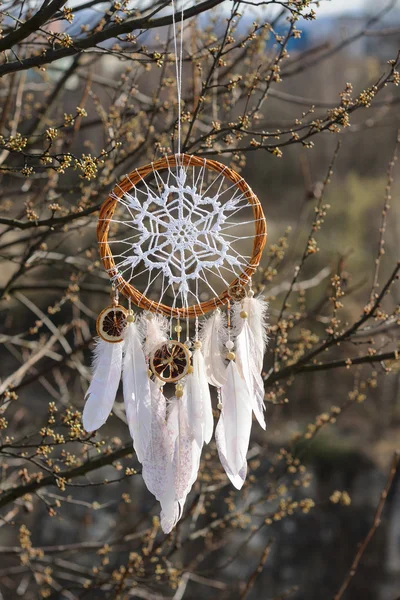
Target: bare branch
[(33, 24), (108, 33), (92, 464), (376, 522)]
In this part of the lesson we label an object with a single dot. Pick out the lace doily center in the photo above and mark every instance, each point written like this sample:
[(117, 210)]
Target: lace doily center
[(183, 231)]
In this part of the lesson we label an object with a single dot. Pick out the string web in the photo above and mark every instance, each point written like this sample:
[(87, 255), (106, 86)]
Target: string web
[(181, 235)]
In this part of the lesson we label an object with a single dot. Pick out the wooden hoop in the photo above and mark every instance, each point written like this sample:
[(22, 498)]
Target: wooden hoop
[(107, 211)]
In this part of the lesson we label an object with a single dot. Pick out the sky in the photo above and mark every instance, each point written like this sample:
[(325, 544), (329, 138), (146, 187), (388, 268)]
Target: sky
[(337, 6)]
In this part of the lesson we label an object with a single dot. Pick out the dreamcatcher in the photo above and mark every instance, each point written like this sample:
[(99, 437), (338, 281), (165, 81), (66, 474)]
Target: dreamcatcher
[(171, 237)]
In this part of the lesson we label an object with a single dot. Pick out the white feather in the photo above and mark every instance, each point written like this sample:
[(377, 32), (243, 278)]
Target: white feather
[(234, 425), (157, 464), (249, 353), (236, 480), (172, 508), (246, 361), (180, 432), (185, 461), (256, 308), (213, 336), (154, 328), (107, 364), (136, 388), (204, 396), (169, 516), (180, 465), (192, 397)]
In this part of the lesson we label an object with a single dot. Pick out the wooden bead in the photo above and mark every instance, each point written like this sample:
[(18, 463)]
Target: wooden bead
[(190, 369), (197, 344), (244, 314), (130, 318), (231, 356), (178, 328)]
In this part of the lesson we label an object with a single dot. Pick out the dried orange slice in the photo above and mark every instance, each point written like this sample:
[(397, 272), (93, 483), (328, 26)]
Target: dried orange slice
[(170, 361), (111, 323)]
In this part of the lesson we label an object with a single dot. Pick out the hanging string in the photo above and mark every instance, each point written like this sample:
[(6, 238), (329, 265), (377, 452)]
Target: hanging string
[(178, 66)]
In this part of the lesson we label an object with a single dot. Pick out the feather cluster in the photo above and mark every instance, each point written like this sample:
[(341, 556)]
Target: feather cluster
[(168, 436)]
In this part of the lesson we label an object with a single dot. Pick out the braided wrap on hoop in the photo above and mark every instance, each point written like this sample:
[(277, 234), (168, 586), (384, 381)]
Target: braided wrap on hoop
[(107, 211)]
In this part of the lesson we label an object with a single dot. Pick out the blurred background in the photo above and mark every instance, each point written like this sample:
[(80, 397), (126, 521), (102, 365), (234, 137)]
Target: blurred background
[(302, 99)]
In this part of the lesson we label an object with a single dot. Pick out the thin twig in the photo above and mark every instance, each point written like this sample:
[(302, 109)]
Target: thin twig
[(371, 532), (98, 37), (90, 465), (385, 210), (253, 577)]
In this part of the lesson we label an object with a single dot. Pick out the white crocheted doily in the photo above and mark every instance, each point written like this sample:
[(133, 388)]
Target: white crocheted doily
[(182, 231)]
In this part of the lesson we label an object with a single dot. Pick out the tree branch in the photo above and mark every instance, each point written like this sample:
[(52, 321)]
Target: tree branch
[(51, 222), (32, 25), (350, 362), (105, 34), (254, 575), (87, 467), (375, 525), (301, 364)]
